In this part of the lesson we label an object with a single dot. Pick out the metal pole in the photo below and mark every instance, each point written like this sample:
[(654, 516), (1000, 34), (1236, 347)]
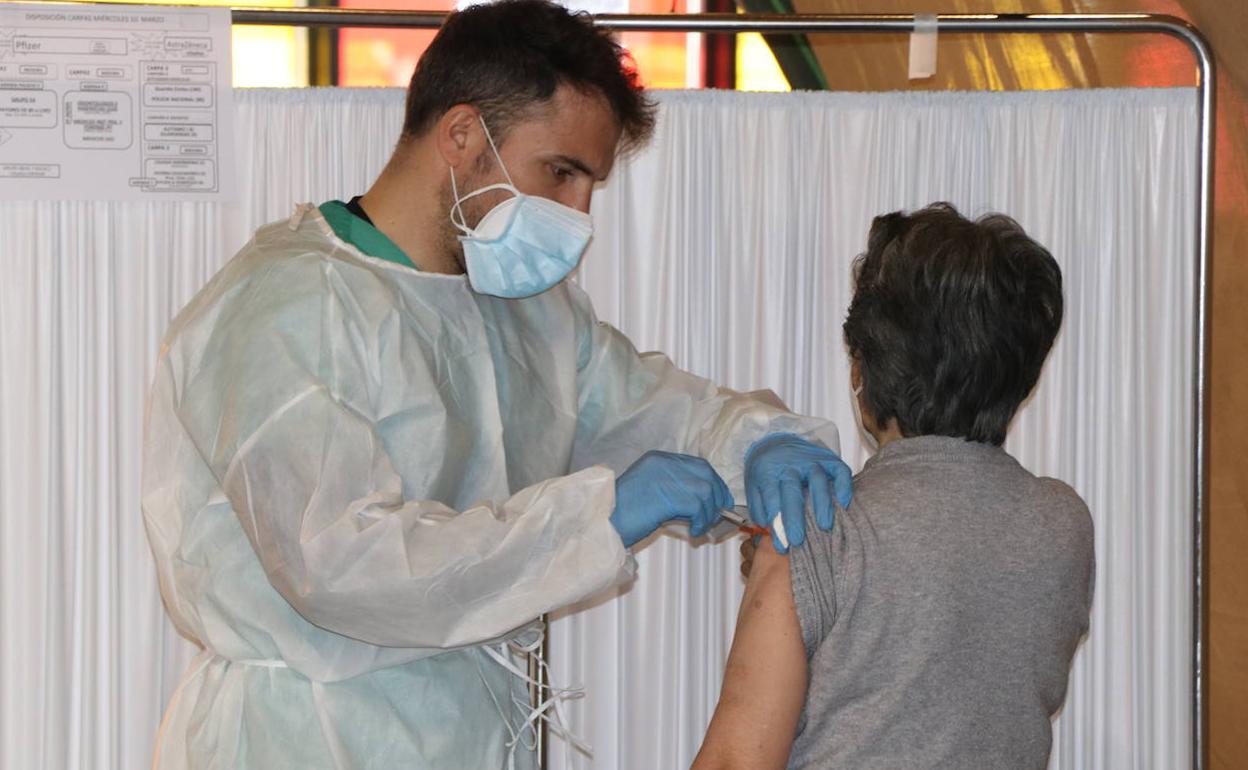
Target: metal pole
[(727, 23), (731, 23), (538, 692), (1207, 94)]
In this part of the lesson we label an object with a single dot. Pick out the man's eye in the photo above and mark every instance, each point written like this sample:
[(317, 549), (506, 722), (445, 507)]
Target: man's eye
[(562, 172)]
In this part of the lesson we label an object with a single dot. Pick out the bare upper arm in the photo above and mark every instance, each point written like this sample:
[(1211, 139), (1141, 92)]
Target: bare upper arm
[(765, 679)]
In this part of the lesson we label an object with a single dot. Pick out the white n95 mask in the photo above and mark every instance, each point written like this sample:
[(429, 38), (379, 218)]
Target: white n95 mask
[(524, 245)]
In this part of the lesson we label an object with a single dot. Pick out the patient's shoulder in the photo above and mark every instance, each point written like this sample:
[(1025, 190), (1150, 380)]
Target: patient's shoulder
[(1063, 510)]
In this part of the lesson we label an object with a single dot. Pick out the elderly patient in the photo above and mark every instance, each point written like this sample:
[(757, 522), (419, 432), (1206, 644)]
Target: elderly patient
[(935, 624)]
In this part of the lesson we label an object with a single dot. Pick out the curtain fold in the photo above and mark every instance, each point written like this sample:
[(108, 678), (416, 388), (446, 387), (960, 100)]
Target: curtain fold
[(728, 244)]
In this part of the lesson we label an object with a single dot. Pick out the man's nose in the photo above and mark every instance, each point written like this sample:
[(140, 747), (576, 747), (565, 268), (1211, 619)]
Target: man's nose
[(579, 198)]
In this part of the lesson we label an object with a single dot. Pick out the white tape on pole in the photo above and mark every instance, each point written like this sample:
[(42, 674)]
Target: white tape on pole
[(923, 47)]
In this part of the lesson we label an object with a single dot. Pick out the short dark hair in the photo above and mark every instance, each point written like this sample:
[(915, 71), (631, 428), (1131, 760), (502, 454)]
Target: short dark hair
[(507, 57), (951, 321)]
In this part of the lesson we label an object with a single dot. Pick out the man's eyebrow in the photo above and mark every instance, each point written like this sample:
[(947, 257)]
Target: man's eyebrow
[(580, 166)]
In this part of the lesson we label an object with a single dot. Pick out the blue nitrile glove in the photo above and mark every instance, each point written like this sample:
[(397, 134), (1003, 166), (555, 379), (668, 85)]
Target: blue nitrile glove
[(779, 469), (662, 486)]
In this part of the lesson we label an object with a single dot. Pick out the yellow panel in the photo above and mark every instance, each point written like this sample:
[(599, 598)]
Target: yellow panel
[(757, 69), (275, 57)]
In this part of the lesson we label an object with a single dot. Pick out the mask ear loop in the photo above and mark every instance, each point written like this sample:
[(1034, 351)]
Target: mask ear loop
[(497, 157), (457, 211)]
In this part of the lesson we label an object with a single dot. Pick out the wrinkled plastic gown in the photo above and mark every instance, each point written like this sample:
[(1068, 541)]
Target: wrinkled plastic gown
[(358, 475)]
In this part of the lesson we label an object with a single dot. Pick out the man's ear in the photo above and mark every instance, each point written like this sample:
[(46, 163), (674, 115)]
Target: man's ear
[(458, 135), (855, 374)]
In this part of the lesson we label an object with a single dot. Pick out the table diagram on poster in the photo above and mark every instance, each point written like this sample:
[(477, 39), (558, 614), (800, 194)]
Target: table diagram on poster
[(115, 103)]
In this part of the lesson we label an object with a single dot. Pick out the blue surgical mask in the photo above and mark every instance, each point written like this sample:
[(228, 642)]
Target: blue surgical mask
[(524, 245)]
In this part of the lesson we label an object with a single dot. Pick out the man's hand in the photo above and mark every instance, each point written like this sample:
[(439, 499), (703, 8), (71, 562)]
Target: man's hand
[(780, 470), (662, 486)]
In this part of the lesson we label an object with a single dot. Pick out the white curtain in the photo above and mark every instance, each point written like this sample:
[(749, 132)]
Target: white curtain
[(727, 244)]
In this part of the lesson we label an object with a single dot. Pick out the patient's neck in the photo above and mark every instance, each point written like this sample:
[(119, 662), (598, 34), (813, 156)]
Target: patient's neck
[(888, 433)]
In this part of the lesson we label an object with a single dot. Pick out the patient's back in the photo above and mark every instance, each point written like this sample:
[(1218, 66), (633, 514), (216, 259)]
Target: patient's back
[(941, 612)]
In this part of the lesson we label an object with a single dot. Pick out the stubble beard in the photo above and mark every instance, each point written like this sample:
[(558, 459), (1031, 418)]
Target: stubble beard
[(483, 172)]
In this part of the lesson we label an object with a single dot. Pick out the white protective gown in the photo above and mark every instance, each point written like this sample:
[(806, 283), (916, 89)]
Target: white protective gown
[(359, 478)]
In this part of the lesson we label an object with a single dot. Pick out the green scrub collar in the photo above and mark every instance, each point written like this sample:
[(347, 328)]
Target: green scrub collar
[(362, 235)]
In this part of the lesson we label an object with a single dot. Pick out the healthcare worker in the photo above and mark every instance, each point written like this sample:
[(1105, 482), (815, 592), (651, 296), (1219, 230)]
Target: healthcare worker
[(388, 435)]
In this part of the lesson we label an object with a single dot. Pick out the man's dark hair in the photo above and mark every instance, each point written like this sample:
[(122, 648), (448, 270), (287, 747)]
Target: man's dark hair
[(507, 57), (951, 321)]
